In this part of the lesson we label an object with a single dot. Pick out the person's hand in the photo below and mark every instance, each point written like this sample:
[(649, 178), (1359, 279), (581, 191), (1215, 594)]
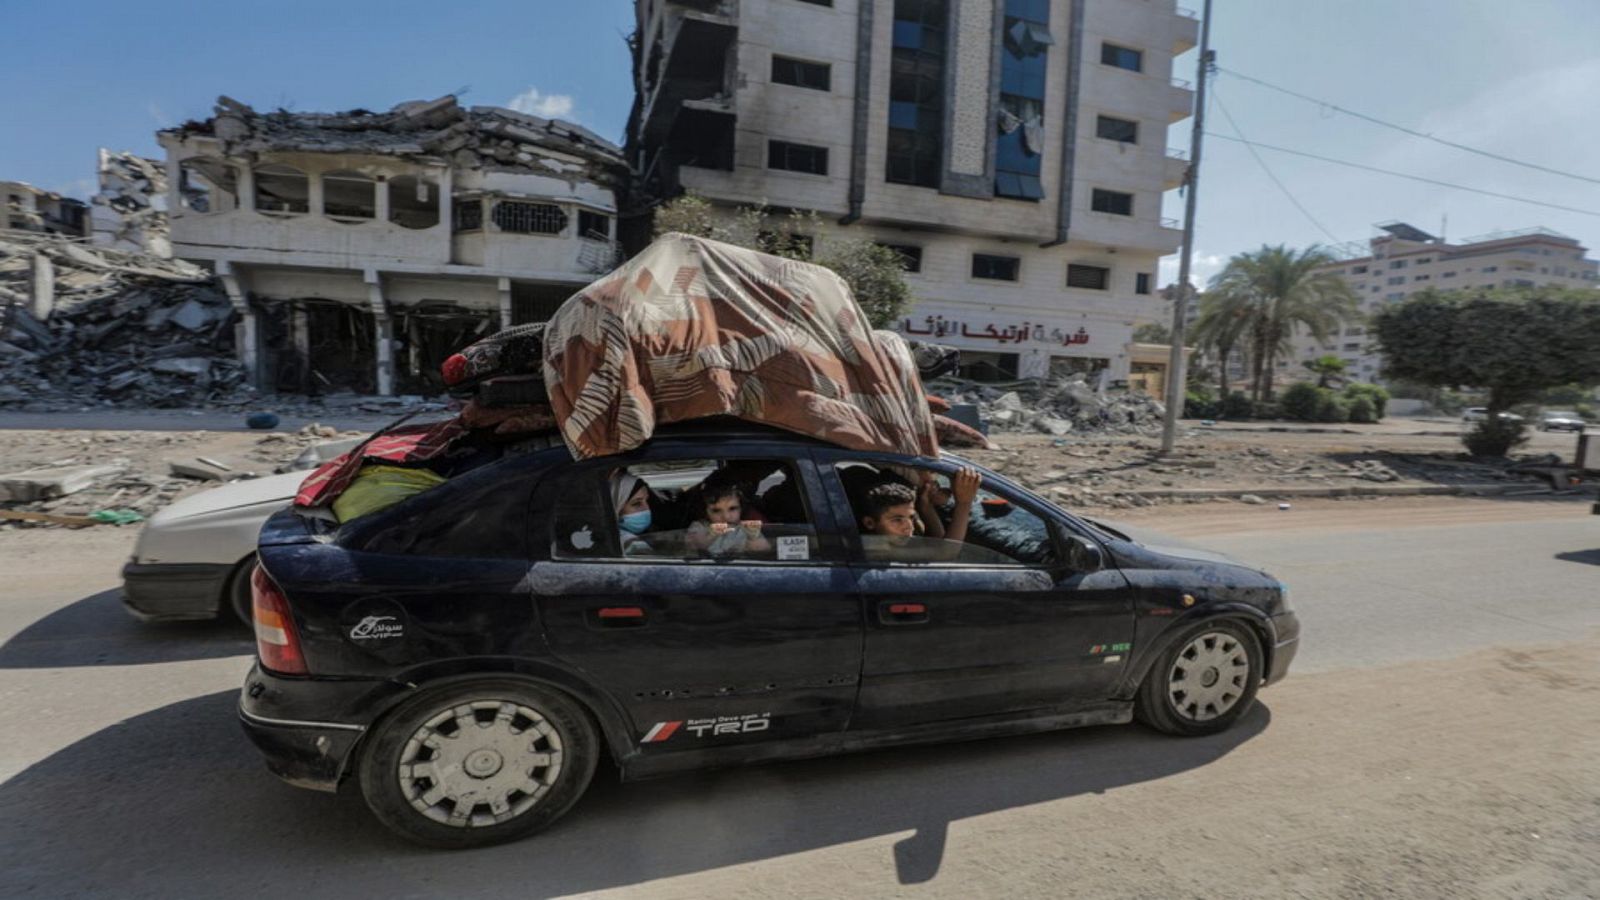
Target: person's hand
[(925, 491), (720, 527), (752, 527), (964, 485)]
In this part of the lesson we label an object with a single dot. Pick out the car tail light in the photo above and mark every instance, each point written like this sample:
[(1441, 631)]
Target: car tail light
[(277, 642)]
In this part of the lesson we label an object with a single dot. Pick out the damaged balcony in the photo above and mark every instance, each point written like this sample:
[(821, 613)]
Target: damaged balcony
[(696, 53)]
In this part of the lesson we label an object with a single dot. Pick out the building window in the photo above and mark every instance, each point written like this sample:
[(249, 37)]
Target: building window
[(1396, 296), (205, 185), (467, 213), (1019, 145), (1354, 346), (1113, 129), (1397, 264), (997, 268), (910, 256), (1114, 202), (1448, 275), (282, 190), (1491, 268), (519, 217), (1397, 279), (413, 202), (916, 93), (1141, 283), (1093, 278), (1424, 259), (593, 225), (349, 195), (1358, 270), (1122, 57), (1421, 277), (797, 157), (800, 73)]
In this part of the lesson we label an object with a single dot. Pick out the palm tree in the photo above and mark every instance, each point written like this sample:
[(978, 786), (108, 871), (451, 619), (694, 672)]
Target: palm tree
[(1284, 290), (1222, 322), (1326, 368)]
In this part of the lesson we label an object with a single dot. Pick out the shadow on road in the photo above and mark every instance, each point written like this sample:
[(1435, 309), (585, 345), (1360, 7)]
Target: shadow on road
[(97, 631), (1592, 557), (176, 803)]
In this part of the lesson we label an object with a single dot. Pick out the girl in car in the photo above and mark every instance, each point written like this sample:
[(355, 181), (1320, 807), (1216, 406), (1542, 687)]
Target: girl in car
[(723, 532)]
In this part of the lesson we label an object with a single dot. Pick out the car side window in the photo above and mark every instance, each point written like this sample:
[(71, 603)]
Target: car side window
[(735, 510), (999, 531), (488, 520)]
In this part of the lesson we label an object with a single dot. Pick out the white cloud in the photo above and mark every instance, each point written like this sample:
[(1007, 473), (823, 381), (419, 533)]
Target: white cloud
[(158, 115), (547, 106), (1201, 268)]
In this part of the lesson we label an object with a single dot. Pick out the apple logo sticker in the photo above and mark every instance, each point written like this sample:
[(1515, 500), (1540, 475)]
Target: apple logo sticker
[(582, 539)]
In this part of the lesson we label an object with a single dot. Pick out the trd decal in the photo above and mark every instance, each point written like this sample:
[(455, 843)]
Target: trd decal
[(1098, 649), (703, 728)]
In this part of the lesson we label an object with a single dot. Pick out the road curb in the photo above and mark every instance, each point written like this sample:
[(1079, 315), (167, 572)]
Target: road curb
[(1354, 490)]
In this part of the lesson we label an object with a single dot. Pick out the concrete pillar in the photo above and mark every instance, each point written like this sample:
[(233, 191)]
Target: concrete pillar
[(381, 209), (446, 187), (384, 331), (314, 193), (247, 186), (42, 287), (247, 333), (503, 285), (300, 337)]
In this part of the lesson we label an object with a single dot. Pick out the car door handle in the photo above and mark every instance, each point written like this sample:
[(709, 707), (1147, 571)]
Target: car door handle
[(619, 616), (901, 612)]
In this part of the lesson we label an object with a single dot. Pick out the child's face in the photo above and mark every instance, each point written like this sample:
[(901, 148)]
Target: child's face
[(723, 509), (895, 522)]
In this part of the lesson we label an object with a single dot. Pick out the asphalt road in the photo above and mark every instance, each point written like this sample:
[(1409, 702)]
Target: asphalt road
[(1437, 737)]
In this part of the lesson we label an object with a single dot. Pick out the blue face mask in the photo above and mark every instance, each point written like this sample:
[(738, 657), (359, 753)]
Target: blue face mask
[(635, 523)]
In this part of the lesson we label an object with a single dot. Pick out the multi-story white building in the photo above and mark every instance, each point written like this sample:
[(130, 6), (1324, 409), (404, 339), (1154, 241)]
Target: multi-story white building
[(28, 208), (1404, 260), (1014, 151), (360, 249)]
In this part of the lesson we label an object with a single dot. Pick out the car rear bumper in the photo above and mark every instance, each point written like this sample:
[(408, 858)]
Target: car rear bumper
[(307, 729), (174, 591), (1286, 627)]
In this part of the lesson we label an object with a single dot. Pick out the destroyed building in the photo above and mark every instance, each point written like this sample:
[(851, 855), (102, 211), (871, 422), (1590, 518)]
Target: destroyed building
[(360, 249), (130, 211), (30, 209)]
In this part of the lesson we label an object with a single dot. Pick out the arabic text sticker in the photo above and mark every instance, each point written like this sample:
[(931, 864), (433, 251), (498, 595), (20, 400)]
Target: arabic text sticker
[(793, 547)]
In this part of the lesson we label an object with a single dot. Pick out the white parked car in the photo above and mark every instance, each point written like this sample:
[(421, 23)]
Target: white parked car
[(1480, 413), (193, 558), (1560, 420)]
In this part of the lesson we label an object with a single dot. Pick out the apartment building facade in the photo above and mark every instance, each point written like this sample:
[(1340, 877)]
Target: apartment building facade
[(360, 249), (1013, 151), (1403, 260)]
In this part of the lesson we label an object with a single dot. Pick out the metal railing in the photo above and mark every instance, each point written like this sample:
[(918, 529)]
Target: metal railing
[(1177, 153), (1171, 223), (1183, 83), (1186, 12)]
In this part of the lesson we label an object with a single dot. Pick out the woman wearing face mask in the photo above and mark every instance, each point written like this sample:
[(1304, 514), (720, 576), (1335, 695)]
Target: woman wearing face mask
[(631, 498)]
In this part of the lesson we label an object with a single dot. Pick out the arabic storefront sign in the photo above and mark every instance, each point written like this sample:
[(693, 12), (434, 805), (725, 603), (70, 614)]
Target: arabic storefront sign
[(939, 327)]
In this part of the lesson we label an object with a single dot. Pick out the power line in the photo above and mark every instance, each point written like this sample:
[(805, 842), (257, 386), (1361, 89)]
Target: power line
[(1434, 181), (1217, 95), (1411, 131)]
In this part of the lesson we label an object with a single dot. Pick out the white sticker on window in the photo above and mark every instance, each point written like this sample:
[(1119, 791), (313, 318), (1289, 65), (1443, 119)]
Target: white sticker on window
[(793, 546)]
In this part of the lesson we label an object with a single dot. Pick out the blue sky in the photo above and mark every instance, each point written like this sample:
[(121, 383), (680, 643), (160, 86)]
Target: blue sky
[(1518, 79)]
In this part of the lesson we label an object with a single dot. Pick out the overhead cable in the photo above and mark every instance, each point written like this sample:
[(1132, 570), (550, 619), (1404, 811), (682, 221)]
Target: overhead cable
[(1411, 131), (1267, 169), (1434, 181)]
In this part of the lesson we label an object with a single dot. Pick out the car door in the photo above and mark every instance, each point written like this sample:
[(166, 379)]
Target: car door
[(702, 652), (988, 633)]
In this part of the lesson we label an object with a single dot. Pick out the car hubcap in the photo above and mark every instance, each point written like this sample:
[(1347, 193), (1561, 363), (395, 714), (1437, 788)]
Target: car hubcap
[(480, 763), (1209, 676)]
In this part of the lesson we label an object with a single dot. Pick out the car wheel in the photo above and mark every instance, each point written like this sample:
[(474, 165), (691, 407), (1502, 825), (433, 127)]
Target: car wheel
[(1204, 682), (238, 597), (478, 763)]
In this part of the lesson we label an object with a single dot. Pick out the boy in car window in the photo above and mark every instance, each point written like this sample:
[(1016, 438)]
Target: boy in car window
[(888, 521)]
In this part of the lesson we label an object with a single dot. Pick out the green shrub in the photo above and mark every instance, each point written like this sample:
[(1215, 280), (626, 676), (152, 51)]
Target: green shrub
[(1301, 400), (1495, 437), (1266, 409), (1361, 409), (1584, 411), (1236, 406), (1332, 408), (1199, 405), (1378, 397)]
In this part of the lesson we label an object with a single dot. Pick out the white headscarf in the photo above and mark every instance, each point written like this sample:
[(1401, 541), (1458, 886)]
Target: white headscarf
[(622, 487)]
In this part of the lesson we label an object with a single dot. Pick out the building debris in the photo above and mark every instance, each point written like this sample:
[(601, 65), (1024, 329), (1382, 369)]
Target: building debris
[(1056, 407), (48, 483), (204, 469), (130, 211)]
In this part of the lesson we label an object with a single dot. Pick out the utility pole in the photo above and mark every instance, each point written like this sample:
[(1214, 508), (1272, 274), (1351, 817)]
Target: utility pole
[(1176, 376)]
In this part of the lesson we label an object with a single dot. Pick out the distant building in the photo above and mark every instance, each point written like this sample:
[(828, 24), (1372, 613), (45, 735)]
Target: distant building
[(130, 210), (28, 208), (1404, 260), (360, 249), (1013, 151)]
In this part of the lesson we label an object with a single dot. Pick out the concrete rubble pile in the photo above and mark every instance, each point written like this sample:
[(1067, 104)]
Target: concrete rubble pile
[(131, 206), (1057, 407), (83, 325), (478, 136)]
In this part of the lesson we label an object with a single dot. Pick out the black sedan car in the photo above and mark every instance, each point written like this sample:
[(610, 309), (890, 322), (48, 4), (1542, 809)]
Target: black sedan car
[(468, 654)]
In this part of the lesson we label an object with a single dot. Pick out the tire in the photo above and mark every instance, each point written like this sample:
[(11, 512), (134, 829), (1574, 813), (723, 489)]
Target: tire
[(488, 794), (238, 598), (1223, 660)]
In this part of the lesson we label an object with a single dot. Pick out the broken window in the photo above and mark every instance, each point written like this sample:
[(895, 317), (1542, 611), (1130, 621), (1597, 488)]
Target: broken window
[(413, 202), (468, 214), (594, 226), (349, 195), (282, 190), (519, 217), (207, 185)]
